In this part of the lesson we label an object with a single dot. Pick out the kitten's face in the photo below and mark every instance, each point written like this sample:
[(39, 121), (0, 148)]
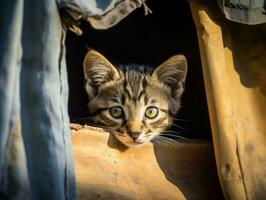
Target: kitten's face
[(135, 106)]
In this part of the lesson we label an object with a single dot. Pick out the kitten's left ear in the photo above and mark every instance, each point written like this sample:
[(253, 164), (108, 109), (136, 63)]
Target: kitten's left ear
[(97, 71), (173, 74)]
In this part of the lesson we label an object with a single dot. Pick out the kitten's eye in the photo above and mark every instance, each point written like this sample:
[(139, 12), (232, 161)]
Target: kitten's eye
[(151, 112), (116, 111)]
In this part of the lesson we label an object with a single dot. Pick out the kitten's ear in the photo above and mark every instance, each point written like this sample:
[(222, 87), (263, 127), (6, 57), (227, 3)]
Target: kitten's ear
[(97, 71), (173, 74)]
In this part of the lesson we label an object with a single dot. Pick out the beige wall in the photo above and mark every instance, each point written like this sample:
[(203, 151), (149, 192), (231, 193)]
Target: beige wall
[(234, 67)]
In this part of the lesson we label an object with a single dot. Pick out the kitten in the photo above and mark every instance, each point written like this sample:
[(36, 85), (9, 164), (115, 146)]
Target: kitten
[(132, 104)]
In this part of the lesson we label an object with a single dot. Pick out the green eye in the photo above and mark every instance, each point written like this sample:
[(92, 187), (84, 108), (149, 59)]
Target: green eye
[(151, 112), (116, 112)]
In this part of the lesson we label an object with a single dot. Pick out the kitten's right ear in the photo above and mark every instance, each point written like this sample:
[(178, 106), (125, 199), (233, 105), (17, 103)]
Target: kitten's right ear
[(97, 71), (172, 73)]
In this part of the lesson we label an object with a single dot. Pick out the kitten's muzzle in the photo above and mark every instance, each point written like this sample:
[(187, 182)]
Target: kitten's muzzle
[(134, 135)]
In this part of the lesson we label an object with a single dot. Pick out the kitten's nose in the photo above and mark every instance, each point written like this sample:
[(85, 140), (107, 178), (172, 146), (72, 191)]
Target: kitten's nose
[(134, 135)]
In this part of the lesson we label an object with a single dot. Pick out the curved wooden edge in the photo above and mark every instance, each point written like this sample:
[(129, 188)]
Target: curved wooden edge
[(233, 62), (107, 170)]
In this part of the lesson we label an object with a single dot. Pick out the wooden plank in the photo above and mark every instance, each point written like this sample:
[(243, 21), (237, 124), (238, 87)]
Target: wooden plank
[(233, 61), (105, 169)]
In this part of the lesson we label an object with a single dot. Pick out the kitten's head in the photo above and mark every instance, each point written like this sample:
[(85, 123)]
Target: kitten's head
[(135, 106)]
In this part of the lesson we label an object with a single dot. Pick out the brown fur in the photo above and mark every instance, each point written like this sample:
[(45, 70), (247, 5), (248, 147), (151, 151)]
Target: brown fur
[(133, 91)]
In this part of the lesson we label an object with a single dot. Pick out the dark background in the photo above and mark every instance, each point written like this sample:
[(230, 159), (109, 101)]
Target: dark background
[(149, 40)]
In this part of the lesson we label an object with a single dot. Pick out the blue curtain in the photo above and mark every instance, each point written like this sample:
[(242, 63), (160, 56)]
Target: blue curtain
[(35, 144)]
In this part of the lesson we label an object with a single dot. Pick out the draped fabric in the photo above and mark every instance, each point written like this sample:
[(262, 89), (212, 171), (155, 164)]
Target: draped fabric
[(244, 11), (35, 147)]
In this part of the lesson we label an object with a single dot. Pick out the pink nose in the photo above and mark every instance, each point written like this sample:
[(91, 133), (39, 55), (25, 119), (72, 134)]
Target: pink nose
[(134, 135)]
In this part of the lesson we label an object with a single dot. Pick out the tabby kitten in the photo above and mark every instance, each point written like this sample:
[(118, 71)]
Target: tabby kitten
[(133, 104)]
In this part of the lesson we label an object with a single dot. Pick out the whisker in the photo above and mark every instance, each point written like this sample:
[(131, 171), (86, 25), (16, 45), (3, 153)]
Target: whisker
[(173, 143), (158, 142), (177, 126), (106, 128), (81, 118), (170, 131), (96, 125), (169, 141), (148, 135), (176, 143), (171, 135), (154, 141), (176, 136), (181, 120), (166, 138)]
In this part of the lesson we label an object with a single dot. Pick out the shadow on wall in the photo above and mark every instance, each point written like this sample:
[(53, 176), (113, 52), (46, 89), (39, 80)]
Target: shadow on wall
[(151, 172), (99, 192), (250, 54), (190, 169)]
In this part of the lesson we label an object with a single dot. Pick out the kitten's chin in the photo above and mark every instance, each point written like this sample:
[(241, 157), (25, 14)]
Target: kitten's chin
[(130, 143), (134, 144)]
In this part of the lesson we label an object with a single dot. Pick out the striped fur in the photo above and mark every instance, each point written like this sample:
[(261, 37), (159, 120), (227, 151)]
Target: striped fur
[(135, 92)]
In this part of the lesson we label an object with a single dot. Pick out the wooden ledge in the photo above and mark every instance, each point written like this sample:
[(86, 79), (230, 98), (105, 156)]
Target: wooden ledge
[(105, 169)]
